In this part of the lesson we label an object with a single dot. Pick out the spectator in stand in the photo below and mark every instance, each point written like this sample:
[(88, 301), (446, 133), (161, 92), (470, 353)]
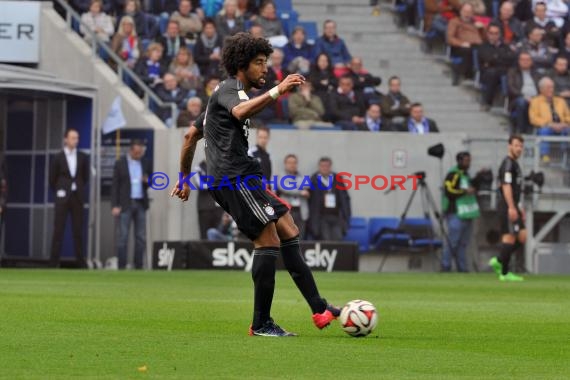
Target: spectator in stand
[(305, 108), (549, 28), (556, 10), (167, 7), (186, 71), (333, 46), (523, 10), (419, 124), (522, 83), (210, 85), (256, 31), (288, 189), (479, 10), (259, 151), (188, 116), (374, 122), (83, 6), (146, 25), (364, 82), (229, 21), (322, 77), (171, 41), (495, 58), (438, 13), (126, 43), (190, 23), (169, 92), (150, 68), (565, 50), (347, 107), (549, 114), (534, 45), (395, 105), (98, 22), (559, 74), (463, 37), (271, 24), (208, 48), (248, 8), (211, 7), (511, 28), (329, 207), (275, 75), (298, 53)]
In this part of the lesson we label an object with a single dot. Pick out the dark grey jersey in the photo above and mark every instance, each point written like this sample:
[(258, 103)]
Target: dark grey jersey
[(225, 136)]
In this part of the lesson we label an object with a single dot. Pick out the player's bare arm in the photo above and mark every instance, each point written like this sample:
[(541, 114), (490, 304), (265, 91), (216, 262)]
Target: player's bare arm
[(191, 139), (253, 106), (508, 195)]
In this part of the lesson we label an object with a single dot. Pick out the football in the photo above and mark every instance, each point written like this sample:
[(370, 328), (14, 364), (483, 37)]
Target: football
[(358, 318)]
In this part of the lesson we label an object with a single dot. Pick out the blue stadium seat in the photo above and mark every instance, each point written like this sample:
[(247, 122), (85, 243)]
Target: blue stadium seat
[(421, 232), (384, 235), (288, 19), (358, 232), (311, 31), (283, 5)]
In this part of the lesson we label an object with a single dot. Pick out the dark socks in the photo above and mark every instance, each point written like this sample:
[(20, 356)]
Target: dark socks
[(505, 256), (263, 274), (301, 274)]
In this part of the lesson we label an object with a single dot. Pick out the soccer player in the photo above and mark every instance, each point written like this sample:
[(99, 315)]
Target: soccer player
[(238, 188), (511, 213)]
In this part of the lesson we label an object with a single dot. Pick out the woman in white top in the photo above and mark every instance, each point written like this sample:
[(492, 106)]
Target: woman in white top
[(98, 22)]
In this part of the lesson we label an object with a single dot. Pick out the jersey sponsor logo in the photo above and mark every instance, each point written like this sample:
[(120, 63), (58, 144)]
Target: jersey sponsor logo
[(269, 210)]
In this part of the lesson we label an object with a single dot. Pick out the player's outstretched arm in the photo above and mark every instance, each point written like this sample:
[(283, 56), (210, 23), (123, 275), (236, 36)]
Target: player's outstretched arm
[(253, 106), (191, 139)]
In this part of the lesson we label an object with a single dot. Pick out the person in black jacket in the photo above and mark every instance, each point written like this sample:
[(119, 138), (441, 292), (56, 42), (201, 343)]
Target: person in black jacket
[(329, 207), (171, 42), (68, 177), (208, 48), (170, 92), (346, 106), (495, 58), (129, 201)]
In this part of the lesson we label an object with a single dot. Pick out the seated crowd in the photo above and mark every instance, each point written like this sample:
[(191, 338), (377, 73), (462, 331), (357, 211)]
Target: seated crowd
[(517, 49), (181, 64)]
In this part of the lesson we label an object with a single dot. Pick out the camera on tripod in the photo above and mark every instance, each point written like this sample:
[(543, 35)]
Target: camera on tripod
[(531, 180)]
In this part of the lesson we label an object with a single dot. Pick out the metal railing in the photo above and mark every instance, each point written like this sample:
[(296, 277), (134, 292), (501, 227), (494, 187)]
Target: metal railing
[(97, 44)]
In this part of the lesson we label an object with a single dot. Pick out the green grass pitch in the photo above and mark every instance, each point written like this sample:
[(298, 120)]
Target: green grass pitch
[(193, 325)]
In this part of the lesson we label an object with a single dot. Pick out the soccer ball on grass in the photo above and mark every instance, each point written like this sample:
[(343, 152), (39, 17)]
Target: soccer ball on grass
[(358, 318)]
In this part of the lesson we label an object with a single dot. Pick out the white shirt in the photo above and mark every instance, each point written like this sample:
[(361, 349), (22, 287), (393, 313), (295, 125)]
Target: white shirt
[(419, 127), (71, 157)]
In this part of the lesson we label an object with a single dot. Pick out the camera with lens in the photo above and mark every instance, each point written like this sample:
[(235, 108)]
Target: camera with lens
[(531, 180)]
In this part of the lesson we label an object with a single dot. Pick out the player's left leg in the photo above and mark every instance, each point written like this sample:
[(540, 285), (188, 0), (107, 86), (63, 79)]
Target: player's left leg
[(323, 313)]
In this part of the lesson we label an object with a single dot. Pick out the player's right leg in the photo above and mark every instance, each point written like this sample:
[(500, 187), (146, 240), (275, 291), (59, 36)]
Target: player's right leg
[(323, 313)]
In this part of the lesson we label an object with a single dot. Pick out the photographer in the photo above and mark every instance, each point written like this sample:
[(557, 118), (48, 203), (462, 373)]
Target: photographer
[(460, 207)]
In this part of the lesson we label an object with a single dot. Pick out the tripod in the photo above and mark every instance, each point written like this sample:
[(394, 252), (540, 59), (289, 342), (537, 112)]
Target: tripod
[(429, 208)]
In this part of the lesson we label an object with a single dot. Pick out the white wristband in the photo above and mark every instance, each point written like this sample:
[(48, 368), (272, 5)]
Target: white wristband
[(274, 93)]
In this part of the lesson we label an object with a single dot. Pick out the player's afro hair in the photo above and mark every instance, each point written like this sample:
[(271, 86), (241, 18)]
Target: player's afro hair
[(242, 48)]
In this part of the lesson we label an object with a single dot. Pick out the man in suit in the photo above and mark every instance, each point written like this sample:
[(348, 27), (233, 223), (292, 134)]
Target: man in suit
[(329, 206), (418, 123), (69, 173), (129, 201)]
